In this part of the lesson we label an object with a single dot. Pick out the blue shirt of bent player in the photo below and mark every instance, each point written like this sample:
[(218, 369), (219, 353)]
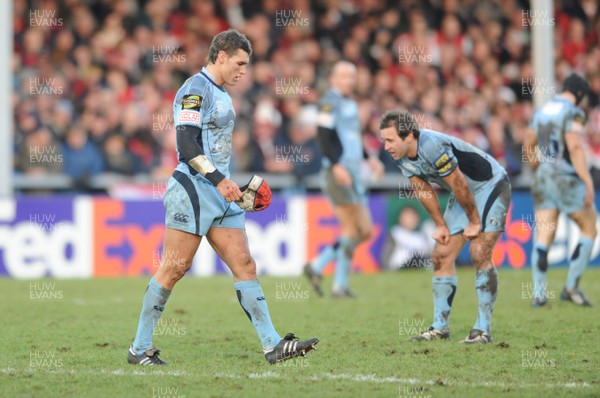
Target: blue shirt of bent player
[(200, 102), (439, 154)]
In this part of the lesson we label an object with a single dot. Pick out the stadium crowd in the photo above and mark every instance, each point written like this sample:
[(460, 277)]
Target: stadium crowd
[(94, 81)]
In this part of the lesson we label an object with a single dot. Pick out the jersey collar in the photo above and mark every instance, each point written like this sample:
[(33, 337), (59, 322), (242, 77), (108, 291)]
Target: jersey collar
[(210, 78)]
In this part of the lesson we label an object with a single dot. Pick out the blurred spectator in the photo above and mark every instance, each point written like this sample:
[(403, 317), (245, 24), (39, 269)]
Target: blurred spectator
[(409, 243), (593, 147), (81, 157), (119, 158), (112, 68), (40, 153)]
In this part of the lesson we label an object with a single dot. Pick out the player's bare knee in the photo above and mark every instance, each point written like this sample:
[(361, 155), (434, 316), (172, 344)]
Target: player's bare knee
[(246, 269), (591, 230), (175, 269), (480, 255), (365, 234), (440, 260)]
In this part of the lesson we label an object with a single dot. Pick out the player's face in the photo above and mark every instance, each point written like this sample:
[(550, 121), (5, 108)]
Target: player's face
[(393, 144), (234, 67), (345, 79)]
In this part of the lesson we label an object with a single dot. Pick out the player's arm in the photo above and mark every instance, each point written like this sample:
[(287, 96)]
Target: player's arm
[(529, 145), (193, 154), (574, 142), (189, 145), (330, 145), (375, 165), (458, 183), (429, 199), (430, 202)]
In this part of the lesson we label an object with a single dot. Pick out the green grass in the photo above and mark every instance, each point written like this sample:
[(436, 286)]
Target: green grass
[(77, 341)]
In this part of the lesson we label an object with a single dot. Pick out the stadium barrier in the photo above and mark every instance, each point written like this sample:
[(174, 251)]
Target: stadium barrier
[(83, 236)]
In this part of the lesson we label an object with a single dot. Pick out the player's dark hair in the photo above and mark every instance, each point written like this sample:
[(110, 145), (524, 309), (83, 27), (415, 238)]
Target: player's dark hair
[(229, 41), (577, 86), (402, 120)]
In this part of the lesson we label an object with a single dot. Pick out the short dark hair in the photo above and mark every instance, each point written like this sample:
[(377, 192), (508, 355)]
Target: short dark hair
[(577, 86), (229, 41), (402, 120)]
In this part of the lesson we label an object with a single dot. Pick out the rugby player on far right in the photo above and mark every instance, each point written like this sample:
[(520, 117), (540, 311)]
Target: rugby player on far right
[(553, 147)]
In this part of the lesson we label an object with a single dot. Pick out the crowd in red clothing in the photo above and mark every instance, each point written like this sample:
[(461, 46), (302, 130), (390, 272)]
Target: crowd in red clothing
[(94, 82)]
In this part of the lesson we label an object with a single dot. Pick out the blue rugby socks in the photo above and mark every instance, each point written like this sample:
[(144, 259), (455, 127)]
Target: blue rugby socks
[(486, 282), (344, 255), (579, 261), (539, 268), (444, 289), (155, 300), (254, 304), (326, 256)]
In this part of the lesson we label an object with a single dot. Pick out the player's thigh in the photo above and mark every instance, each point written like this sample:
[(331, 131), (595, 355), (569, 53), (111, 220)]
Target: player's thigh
[(546, 221), (443, 256), (355, 220), (482, 247), (179, 248), (586, 220), (231, 244)]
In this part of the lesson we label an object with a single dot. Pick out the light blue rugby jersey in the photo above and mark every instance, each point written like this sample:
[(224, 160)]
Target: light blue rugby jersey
[(340, 113), (550, 123), (439, 154), (201, 103)]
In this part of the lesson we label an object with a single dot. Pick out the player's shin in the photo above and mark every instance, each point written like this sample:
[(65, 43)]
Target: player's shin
[(155, 300), (344, 256), (486, 282), (539, 268), (326, 256), (254, 304), (579, 261), (444, 289)]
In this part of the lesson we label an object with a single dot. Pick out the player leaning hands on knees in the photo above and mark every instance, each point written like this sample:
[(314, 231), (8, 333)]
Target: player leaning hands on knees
[(201, 201), (476, 212)]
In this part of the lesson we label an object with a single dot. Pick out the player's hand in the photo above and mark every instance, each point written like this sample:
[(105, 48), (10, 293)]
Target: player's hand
[(229, 190), (472, 231), (376, 168), (589, 195), (341, 175), (441, 235)]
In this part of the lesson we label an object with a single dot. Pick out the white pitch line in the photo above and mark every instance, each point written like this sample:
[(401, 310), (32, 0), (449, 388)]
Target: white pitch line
[(359, 378)]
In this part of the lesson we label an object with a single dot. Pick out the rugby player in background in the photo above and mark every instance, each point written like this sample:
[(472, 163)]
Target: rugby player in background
[(201, 201), (340, 141), (562, 182)]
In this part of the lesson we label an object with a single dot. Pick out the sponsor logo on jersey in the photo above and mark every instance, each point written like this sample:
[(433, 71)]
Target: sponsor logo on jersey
[(188, 116), (191, 101), (443, 163)]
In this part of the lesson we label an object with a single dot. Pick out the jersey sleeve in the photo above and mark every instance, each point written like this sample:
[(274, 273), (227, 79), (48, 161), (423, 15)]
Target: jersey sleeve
[(406, 173), (534, 122), (439, 155), (574, 121), (327, 114), (190, 106), (327, 136)]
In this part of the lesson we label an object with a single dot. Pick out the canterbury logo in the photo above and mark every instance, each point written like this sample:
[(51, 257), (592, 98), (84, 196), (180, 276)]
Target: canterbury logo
[(261, 298), (159, 308), (180, 218)]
